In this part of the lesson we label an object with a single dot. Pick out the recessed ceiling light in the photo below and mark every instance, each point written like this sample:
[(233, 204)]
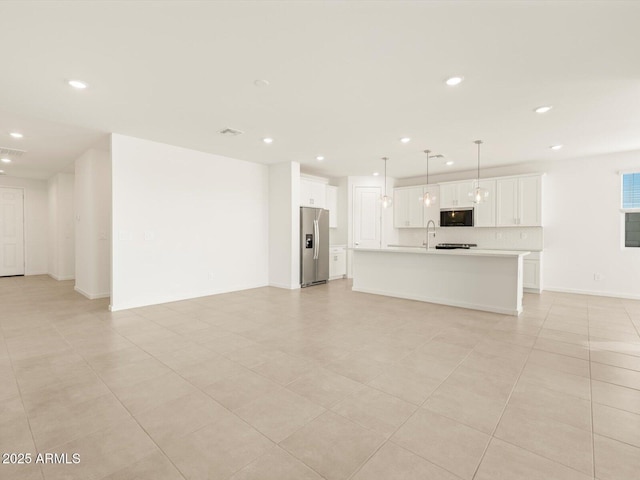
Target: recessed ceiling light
[(375, 174), (78, 84), (261, 83), (543, 109), (450, 162), (405, 139), (16, 135), (319, 158), (556, 147), (267, 140), (1, 172), (5, 160), (453, 81)]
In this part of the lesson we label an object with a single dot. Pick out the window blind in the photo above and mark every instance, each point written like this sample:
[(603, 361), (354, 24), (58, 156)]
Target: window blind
[(631, 190)]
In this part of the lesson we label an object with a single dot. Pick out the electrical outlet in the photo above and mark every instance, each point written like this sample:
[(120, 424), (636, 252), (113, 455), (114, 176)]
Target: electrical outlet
[(212, 276), (597, 277), (498, 235), (523, 235)]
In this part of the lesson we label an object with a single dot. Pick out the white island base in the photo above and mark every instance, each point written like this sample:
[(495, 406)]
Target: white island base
[(488, 280)]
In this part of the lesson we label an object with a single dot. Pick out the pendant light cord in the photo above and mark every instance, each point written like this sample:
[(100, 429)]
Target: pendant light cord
[(478, 142)]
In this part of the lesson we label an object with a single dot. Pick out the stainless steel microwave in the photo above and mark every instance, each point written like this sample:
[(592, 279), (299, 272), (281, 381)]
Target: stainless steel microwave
[(456, 217)]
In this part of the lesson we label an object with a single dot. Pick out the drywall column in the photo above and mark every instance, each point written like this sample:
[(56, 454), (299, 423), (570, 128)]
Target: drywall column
[(61, 227), (284, 225), (92, 201)]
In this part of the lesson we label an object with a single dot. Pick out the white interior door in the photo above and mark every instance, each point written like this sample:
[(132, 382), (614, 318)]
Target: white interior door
[(11, 232), (366, 217)]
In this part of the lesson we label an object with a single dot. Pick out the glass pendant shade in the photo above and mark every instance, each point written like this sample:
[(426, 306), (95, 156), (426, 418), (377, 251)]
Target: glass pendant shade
[(385, 199), (478, 194), (429, 199)]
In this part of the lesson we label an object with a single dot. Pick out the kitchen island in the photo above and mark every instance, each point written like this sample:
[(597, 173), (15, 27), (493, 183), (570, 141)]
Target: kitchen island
[(489, 280)]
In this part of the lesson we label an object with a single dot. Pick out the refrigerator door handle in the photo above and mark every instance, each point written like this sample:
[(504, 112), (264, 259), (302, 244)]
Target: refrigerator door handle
[(316, 234)]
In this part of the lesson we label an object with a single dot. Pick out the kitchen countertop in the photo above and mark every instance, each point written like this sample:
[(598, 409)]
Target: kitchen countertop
[(458, 251), (531, 250)]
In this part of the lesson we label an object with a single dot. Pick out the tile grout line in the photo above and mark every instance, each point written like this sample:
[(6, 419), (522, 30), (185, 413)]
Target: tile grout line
[(276, 444), (24, 409), (388, 439), (119, 401), (492, 434), (593, 434)]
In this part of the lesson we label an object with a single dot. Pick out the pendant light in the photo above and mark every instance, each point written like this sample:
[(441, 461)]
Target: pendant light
[(429, 198), (386, 200), (478, 194)]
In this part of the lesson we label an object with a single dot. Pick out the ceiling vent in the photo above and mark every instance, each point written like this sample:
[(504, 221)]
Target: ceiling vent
[(11, 152), (230, 132)]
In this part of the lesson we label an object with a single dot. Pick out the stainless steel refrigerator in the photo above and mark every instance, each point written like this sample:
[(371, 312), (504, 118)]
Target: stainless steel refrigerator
[(314, 246)]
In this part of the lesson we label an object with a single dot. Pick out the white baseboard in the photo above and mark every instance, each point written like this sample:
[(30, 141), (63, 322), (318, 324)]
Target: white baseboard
[(61, 277), (284, 285), (593, 293), (91, 296), (180, 297)]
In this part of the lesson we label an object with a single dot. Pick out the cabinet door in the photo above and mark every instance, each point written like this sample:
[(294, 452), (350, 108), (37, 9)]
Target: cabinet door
[(485, 213), (415, 207), (306, 194), (529, 199), (433, 211), (507, 202), (319, 194), (531, 274), (338, 264), (332, 205), (463, 189), (448, 195)]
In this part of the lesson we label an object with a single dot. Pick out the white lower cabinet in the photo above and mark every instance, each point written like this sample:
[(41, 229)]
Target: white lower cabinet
[(337, 262), (531, 275)]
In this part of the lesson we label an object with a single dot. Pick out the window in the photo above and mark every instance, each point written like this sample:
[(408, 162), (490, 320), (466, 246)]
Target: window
[(630, 207), (630, 190)]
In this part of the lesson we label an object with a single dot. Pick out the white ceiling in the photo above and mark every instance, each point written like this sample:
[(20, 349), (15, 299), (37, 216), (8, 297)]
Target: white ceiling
[(347, 80)]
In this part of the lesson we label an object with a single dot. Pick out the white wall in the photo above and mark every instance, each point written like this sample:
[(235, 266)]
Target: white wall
[(61, 258), (35, 222), (185, 223), (583, 225), (284, 225), (92, 205)]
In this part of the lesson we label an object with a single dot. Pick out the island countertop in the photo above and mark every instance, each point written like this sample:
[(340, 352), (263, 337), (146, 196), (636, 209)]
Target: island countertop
[(457, 251)]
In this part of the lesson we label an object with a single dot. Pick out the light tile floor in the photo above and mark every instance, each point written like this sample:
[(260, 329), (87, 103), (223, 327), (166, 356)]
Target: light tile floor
[(269, 384)]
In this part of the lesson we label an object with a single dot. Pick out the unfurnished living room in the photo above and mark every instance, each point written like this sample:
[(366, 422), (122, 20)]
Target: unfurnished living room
[(306, 240)]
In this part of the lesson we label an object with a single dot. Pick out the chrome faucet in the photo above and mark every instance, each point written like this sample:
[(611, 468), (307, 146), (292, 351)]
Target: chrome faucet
[(429, 223)]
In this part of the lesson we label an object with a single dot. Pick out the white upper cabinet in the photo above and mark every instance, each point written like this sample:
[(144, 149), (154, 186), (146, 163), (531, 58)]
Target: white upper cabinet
[(313, 194), (332, 205), (519, 201), (456, 194), (408, 207), (484, 214), (433, 211)]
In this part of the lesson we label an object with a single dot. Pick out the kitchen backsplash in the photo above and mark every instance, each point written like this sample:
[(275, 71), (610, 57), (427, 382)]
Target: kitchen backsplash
[(511, 238)]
